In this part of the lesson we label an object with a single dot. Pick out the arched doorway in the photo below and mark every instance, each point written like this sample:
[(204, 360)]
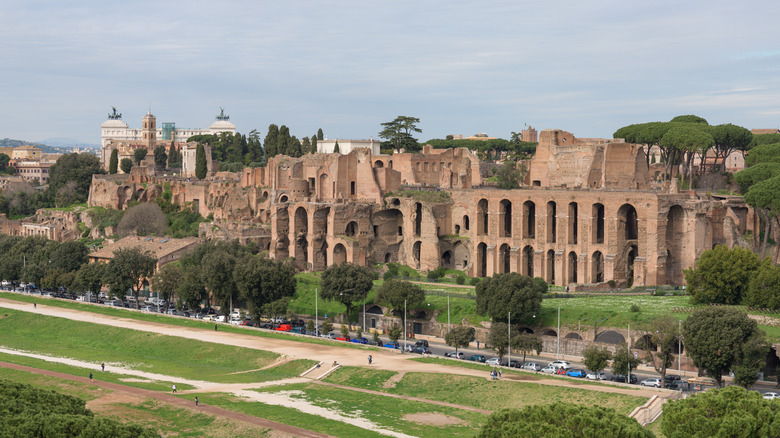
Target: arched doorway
[(610, 337), (675, 238), (482, 260), (505, 215), (529, 220), (339, 254), (301, 230), (597, 267), (550, 262), (482, 217), (597, 227), (504, 259), (572, 267), (552, 222), (528, 261), (572, 223)]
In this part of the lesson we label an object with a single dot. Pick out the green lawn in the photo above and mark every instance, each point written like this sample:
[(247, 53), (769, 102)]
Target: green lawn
[(144, 351), (481, 392), (387, 412)]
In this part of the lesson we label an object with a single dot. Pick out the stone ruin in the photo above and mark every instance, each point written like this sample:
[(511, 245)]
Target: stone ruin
[(587, 213)]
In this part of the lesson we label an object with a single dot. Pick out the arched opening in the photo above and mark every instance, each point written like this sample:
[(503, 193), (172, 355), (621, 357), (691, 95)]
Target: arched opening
[(597, 267), (446, 259), (525, 330), (388, 257), (645, 342), (549, 332), (529, 220), (390, 164), (572, 223), (552, 222), (396, 202), (628, 222), (352, 229), (417, 219), (416, 252), (379, 164), (598, 223), (457, 229), (460, 256), (674, 245), (283, 199), (633, 252), (324, 187), (572, 267), (301, 230), (339, 254), (466, 223), (504, 259), (505, 212), (550, 267), (482, 217), (610, 337), (323, 252), (482, 260), (528, 261), (572, 335), (388, 225)]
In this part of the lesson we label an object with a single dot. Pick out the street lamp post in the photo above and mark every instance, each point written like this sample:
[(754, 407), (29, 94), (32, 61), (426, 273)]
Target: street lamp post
[(558, 346), (509, 340), (316, 314), (364, 314), (448, 314), (404, 326), (679, 347)]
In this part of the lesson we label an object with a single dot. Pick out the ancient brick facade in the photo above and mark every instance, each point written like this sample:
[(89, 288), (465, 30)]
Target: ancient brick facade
[(588, 213)]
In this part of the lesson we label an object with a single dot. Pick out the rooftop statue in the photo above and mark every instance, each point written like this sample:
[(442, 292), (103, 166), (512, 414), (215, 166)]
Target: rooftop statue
[(115, 115), (222, 115)]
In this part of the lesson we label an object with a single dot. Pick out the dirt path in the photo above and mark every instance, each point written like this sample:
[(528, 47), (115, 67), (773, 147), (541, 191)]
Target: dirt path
[(384, 359), (176, 401)]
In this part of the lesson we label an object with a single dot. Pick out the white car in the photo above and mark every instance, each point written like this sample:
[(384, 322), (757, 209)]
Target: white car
[(493, 361), (550, 369), (771, 395), (653, 381), (531, 366), (596, 376), (561, 364)]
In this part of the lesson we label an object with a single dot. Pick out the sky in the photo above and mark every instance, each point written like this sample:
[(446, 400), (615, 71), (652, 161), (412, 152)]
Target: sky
[(347, 66)]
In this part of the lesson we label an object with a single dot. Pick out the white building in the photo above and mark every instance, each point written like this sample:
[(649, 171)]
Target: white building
[(346, 146), (115, 129)]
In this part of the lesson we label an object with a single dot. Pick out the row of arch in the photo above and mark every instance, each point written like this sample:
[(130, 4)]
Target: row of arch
[(525, 264), (614, 337), (628, 221)]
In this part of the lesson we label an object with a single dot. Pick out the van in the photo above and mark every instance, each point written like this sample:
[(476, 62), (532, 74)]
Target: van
[(421, 343), (284, 328)]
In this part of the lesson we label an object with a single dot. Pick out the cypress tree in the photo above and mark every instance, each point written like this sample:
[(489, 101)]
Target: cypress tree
[(172, 156), (269, 144), (320, 136), (336, 148), (313, 144), (113, 163), (200, 162)]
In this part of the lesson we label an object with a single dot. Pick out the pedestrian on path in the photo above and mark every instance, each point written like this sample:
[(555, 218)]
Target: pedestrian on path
[(103, 366), (215, 327), (35, 305), (196, 401), (477, 345), (499, 374), (174, 388), (369, 359), (90, 377)]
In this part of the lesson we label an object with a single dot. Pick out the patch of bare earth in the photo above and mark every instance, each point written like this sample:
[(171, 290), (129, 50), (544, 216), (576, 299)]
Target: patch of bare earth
[(433, 419), (392, 381)]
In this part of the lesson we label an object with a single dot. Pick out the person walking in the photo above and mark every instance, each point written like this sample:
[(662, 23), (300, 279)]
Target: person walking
[(90, 377), (174, 388), (35, 305), (369, 359), (499, 374), (103, 366), (215, 327), (196, 401)]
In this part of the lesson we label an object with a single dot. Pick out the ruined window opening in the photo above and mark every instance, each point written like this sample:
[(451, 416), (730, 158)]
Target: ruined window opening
[(572, 267), (506, 210), (390, 164), (482, 260), (551, 267), (632, 224), (376, 230), (482, 217), (598, 223), (283, 198), (400, 231), (537, 183), (505, 259), (425, 167), (373, 323), (312, 185), (446, 258), (457, 229), (466, 223), (416, 251), (351, 229), (528, 266), (597, 262), (438, 231), (529, 222), (379, 164), (573, 222), (387, 257), (552, 222), (418, 219), (352, 188)]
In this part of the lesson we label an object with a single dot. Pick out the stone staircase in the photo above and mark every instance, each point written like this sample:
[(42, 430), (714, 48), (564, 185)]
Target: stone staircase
[(650, 411), (320, 371)]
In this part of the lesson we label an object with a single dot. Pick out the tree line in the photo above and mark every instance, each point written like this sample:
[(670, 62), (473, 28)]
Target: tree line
[(35, 412)]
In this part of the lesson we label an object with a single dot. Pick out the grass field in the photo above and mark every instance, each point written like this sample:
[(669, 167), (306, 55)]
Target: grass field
[(610, 310), (387, 412), (483, 393), (144, 351)]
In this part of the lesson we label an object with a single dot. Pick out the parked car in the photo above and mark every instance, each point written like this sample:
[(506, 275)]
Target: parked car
[(339, 338), (550, 369), (674, 384), (395, 345), (330, 335), (477, 358), (596, 375), (298, 329), (671, 378), (532, 366), (421, 350), (422, 343), (771, 395), (622, 378), (512, 364), (576, 373), (249, 323), (653, 381), (456, 355), (561, 364), (360, 340), (284, 328), (493, 361)]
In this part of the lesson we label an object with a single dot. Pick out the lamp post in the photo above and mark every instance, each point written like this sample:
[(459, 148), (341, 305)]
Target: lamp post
[(628, 346), (448, 314), (364, 314), (679, 347), (558, 346), (404, 327), (509, 340), (316, 314)]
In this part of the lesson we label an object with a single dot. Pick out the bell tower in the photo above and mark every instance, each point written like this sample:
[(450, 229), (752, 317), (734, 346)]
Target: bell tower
[(150, 131)]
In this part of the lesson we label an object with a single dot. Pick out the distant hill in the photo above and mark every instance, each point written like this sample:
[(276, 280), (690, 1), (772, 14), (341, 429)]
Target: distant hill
[(48, 146)]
